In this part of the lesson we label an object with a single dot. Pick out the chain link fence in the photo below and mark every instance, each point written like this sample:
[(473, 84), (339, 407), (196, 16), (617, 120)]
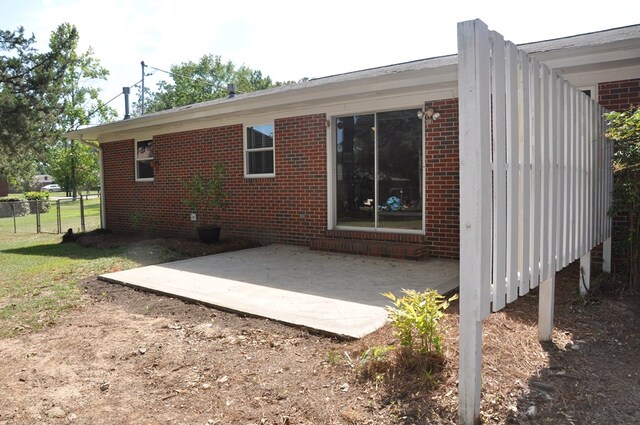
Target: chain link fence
[(53, 216)]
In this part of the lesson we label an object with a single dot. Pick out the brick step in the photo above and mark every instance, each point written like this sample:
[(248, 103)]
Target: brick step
[(375, 236), (405, 251)]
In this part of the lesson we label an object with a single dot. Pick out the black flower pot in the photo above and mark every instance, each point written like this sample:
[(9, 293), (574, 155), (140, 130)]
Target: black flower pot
[(209, 234)]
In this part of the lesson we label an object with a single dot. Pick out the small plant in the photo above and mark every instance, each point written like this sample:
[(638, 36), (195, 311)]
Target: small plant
[(415, 317), (206, 195), (333, 357), (376, 353), (142, 224), (374, 363)]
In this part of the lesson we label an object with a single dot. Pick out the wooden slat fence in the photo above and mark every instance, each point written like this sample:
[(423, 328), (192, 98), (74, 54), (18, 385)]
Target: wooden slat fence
[(535, 186)]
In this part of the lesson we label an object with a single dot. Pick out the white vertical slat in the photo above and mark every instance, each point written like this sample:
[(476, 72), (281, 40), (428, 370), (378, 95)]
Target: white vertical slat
[(525, 180), (575, 207), (578, 154), (583, 174), (536, 155), (499, 172), (585, 272), (596, 178), (597, 175), (545, 308), (609, 186), (607, 175), (601, 175), (550, 103), (475, 211), (546, 191), (512, 170), (561, 201), (565, 164), (590, 186), (570, 159)]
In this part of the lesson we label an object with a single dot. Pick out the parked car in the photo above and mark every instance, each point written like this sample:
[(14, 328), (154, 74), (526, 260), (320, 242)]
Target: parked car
[(51, 188)]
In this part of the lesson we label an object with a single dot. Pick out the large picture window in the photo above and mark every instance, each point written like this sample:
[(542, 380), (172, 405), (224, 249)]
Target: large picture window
[(144, 160), (259, 151)]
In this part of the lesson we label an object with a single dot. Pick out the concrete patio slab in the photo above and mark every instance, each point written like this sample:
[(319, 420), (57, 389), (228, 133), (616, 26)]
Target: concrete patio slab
[(333, 293)]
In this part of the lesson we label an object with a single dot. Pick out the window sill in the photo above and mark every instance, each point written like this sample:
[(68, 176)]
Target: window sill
[(259, 176)]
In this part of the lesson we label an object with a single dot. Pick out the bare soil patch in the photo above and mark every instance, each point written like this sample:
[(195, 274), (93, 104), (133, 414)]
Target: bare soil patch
[(127, 356)]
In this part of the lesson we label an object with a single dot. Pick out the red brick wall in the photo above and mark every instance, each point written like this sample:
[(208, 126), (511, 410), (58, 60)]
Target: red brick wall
[(442, 181), (618, 96), (288, 208)]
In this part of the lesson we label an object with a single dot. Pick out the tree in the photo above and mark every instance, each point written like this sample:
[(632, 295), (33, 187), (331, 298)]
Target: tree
[(29, 93), (82, 159), (202, 81), (624, 130), (42, 96), (80, 105)]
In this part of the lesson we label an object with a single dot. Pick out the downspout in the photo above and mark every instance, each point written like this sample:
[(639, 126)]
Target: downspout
[(98, 149)]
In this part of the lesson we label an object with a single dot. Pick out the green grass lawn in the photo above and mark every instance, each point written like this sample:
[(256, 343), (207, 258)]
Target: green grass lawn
[(69, 217), (39, 276)]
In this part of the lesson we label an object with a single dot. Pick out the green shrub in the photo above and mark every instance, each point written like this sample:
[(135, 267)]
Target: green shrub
[(38, 197), (142, 223), (14, 206), (415, 317)]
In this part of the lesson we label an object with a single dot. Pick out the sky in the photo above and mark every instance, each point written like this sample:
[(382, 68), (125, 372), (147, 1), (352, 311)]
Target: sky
[(290, 40)]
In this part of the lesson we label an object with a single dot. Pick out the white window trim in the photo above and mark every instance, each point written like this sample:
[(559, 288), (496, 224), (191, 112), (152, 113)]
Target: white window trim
[(135, 157), (245, 151)]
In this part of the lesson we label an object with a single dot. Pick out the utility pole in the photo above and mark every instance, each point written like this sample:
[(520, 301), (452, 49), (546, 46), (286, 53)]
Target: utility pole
[(142, 91)]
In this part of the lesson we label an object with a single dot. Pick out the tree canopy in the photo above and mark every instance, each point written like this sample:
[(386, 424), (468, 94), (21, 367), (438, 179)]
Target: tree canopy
[(30, 84), (43, 95), (207, 79)]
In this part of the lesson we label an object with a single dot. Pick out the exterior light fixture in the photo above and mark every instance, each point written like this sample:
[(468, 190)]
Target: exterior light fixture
[(430, 114)]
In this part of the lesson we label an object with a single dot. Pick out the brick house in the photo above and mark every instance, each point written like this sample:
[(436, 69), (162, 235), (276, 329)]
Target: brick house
[(362, 162)]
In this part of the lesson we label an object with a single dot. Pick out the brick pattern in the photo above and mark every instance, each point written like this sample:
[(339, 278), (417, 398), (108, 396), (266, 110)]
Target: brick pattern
[(288, 208), (442, 181), (619, 95), (376, 248)]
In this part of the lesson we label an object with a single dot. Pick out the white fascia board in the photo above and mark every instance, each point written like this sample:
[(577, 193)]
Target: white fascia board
[(591, 78), (318, 98)]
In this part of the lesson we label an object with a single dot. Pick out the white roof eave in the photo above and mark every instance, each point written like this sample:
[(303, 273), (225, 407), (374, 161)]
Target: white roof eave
[(576, 54)]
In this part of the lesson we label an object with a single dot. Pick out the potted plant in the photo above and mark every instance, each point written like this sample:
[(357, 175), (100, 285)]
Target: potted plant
[(206, 197)]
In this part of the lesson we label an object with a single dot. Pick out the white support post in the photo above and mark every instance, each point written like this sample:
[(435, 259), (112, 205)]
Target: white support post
[(606, 255), (546, 308), (585, 273), (475, 210)]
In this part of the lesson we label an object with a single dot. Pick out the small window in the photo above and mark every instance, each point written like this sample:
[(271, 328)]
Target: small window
[(144, 160), (259, 151)]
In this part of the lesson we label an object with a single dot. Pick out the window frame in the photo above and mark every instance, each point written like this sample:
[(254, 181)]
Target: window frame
[(137, 160), (332, 194), (246, 151)]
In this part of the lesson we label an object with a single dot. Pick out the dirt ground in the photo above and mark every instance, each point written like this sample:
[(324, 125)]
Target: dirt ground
[(129, 357)]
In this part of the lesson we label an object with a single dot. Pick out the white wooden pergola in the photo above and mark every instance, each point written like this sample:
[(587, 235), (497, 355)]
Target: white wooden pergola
[(535, 188)]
